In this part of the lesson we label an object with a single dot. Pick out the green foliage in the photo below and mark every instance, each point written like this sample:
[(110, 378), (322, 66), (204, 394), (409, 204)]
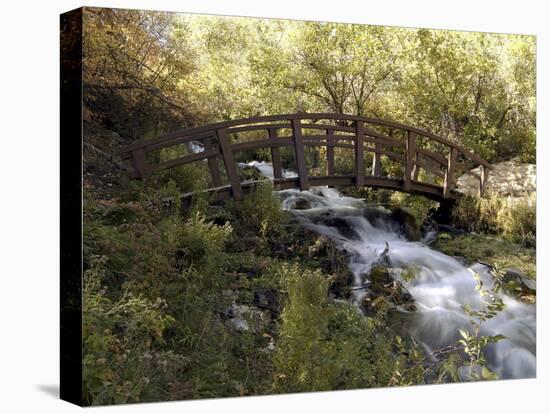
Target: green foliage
[(418, 206), (327, 346), (514, 219), (472, 342), (261, 208), (118, 341), (149, 72), (489, 249)]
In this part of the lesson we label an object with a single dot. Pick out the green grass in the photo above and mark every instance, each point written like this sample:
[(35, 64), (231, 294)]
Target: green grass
[(489, 249)]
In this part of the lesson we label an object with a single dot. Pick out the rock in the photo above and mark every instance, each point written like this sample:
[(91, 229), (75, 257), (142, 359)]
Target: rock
[(384, 292), (267, 298), (373, 214), (525, 284), (248, 318), (407, 223), (341, 225), (239, 324), (507, 179), (301, 203)]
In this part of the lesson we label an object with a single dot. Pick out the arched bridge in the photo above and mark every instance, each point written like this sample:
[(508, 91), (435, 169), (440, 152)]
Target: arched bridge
[(380, 154)]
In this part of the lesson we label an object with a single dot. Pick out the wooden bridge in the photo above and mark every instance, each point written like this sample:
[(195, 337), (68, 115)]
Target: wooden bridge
[(384, 154)]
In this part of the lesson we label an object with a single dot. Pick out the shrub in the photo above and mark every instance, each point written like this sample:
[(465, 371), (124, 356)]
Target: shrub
[(419, 206), (512, 218), (327, 346), (261, 208), (119, 339), (517, 221)]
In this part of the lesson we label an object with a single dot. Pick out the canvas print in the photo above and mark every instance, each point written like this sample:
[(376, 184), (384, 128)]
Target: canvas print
[(275, 206)]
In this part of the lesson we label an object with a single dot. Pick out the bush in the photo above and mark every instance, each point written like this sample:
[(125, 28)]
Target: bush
[(261, 208), (512, 218), (419, 206), (329, 346), (518, 221), (118, 341)]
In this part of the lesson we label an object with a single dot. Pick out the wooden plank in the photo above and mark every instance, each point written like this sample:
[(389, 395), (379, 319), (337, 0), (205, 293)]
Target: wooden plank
[(300, 155), (246, 128), (213, 163), (140, 164), (275, 155), (376, 160), (359, 155), (263, 143), (330, 151), (409, 160), (187, 159), (230, 166), (449, 173), (416, 167), (483, 180), (434, 156), (429, 168)]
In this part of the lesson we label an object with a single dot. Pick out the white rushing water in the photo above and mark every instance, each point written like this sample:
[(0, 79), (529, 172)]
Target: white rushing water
[(441, 286)]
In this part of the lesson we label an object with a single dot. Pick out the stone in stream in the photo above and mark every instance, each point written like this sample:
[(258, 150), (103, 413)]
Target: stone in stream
[(520, 283), (407, 223), (301, 203), (383, 292), (376, 214), (343, 226)]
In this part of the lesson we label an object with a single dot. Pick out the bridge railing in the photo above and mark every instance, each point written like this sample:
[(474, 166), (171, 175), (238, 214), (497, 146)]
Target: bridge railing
[(411, 148)]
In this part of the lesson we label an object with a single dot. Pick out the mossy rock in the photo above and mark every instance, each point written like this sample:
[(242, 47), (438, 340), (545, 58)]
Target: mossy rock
[(407, 222), (384, 293)]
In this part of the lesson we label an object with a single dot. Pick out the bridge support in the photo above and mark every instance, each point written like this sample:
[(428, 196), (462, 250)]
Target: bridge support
[(444, 213)]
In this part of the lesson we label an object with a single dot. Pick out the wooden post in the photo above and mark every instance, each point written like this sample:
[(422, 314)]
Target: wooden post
[(140, 164), (449, 173), (300, 155), (230, 165), (376, 160), (359, 155), (213, 164), (416, 168), (330, 151), (483, 179), (409, 160), (275, 156)]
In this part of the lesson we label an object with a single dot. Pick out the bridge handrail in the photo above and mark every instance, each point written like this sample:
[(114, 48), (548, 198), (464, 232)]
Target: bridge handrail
[(414, 157)]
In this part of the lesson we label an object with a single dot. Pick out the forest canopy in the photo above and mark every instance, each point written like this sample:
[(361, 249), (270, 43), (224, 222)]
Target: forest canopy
[(151, 72)]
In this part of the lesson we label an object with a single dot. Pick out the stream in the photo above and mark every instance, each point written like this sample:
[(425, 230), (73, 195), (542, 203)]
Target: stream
[(442, 285)]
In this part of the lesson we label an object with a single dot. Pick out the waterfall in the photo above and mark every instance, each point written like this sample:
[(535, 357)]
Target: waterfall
[(441, 286)]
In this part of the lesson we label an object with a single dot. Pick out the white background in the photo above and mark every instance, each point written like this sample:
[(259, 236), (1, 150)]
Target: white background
[(29, 206)]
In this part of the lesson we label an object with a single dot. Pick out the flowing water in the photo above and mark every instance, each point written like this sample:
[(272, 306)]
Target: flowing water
[(441, 286)]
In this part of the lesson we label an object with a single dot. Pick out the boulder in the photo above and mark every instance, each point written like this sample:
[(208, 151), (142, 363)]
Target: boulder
[(301, 203), (342, 225), (267, 298), (407, 223), (383, 292), (374, 214), (510, 178), (248, 318), (519, 282)]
